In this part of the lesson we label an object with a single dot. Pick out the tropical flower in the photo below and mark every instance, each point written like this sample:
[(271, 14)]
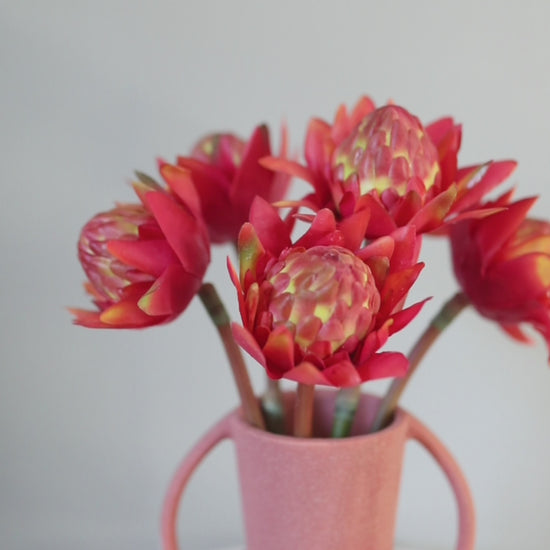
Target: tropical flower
[(144, 262), (317, 311), (228, 176), (385, 160), (502, 263)]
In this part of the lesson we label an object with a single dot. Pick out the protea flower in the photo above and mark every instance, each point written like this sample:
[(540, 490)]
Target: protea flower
[(317, 311), (144, 262), (502, 263), (227, 174), (389, 163)]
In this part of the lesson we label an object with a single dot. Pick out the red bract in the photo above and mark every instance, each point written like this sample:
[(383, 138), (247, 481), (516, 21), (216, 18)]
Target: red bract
[(386, 161), (503, 265), (145, 262), (317, 311), (228, 176)]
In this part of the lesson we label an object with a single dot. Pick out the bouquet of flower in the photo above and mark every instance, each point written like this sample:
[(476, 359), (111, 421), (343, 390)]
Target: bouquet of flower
[(321, 282)]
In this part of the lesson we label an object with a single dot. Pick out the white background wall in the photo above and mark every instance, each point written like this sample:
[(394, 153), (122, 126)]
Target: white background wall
[(92, 423)]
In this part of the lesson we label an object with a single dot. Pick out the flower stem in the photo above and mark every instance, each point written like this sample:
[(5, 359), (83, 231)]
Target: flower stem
[(303, 411), (220, 318), (439, 323), (346, 406), (272, 407)]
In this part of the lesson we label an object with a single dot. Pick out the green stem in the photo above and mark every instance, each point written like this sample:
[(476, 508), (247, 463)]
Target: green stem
[(220, 318), (439, 323), (344, 413), (303, 411), (272, 407)]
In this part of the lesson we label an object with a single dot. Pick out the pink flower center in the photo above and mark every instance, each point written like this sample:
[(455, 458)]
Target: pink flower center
[(326, 296), (388, 149)]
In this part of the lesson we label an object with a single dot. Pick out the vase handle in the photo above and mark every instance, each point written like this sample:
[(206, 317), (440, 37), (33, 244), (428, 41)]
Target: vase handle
[(466, 512), (220, 431)]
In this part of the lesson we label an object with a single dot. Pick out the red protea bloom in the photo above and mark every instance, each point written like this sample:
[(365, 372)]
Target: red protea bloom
[(388, 162), (144, 262), (503, 265), (228, 176), (317, 311)]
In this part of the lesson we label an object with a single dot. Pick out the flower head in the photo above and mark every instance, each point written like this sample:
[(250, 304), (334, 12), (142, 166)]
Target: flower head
[(228, 176), (386, 161), (502, 263), (144, 262), (317, 311)]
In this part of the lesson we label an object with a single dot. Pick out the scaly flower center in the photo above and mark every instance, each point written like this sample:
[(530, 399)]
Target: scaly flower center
[(326, 296), (107, 274), (387, 150)]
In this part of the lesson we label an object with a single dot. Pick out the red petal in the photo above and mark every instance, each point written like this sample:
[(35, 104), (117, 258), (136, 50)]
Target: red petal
[(396, 287), (151, 257), (342, 374), (383, 365), (383, 247), (496, 173), (183, 232), (126, 314), (270, 228), (431, 215), (516, 333), (439, 129), (322, 231), (171, 293), (402, 318), (248, 343), (279, 350), (353, 229), (86, 318), (307, 373), (180, 182), (252, 178), (250, 250), (494, 231)]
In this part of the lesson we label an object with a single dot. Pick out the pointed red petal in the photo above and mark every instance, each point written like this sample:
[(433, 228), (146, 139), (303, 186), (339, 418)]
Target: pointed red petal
[(491, 175), (248, 343), (494, 231), (180, 182), (250, 250), (252, 178), (307, 373), (353, 229), (384, 365), (279, 350), (342, 375), (86, 318), (515, 332), (171, 293), (402, 318), (270, 228), (431, 215), (151, 257), (126, 314), (396, 287), (183, 232)]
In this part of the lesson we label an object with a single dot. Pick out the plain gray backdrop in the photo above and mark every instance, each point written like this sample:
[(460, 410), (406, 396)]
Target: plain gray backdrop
[(93, 423)]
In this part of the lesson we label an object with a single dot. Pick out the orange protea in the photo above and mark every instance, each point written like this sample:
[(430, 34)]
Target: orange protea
[(385, 160), (317, 311), (227, 174), (144, 262), (503, 265)]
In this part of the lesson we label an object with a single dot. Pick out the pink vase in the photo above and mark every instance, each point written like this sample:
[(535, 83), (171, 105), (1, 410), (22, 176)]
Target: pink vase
[(322, 493)]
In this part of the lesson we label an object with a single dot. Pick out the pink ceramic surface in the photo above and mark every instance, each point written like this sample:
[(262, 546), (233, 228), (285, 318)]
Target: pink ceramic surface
[(322, 493)]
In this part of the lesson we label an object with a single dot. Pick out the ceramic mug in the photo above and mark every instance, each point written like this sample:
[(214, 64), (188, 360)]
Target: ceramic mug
[(322, 493)]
